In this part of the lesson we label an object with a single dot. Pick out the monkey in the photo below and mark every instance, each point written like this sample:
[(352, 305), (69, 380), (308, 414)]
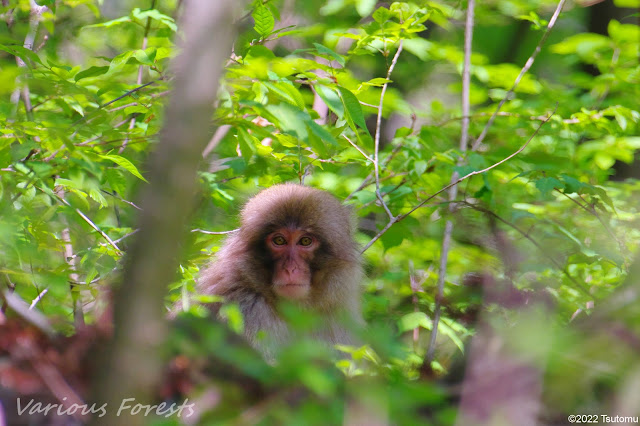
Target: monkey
[(295, 244)]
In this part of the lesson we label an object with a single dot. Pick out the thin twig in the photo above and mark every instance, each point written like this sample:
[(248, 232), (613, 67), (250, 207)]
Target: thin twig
[(35, 13), (416, 287), (477, 172), (376, 163), (453, 192), (33, 317), (395, 188), (35, 301), (512, 114), (123, 237), (364, 154), (202, 231), (523, 71), (220, 133), (590, 209), (526, 235), (127, 93), (115, 195), (70, 259), (370, 105), (85, 218), (366, 181)]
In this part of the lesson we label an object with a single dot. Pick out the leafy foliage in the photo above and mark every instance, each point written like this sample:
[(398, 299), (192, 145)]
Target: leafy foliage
[(81, 105)]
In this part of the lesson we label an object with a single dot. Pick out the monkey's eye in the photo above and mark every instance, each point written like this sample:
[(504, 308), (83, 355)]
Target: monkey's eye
[(279, 240), (305, 241)]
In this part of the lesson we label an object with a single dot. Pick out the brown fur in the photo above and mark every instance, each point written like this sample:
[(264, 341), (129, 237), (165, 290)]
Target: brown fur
[(243, 270)]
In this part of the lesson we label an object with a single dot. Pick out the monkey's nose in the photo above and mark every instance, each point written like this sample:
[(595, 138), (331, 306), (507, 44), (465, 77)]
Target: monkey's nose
[(291, 269)]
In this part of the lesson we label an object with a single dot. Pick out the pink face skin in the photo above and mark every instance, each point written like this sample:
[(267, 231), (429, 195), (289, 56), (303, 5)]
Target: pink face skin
[(292, 251)]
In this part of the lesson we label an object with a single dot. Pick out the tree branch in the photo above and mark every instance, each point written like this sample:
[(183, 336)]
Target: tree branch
[(523, 71), (453, 192), (132, 363), (477, 172)]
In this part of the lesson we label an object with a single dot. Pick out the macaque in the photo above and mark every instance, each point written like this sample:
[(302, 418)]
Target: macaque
[(295, 244)]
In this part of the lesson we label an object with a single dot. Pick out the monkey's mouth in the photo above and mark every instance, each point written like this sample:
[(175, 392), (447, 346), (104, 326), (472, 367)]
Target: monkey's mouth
[(293, 291)]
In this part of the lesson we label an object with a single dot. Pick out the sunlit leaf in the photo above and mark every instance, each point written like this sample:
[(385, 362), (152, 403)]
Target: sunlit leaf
[(263, 19), (125, 164)]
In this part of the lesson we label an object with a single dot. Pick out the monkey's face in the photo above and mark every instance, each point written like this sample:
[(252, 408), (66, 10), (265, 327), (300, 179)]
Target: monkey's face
[(292, 251)]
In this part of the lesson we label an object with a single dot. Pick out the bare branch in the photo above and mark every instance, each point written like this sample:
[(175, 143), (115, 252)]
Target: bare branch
[(86, 219), (35, 301), (376, 159), (70, 259), (202, 231), (152, 260), (380, 234), (366, 181), (123, 237), (477, 172), (215, 140), (453, 192), (34, 20), (33, 317), (591, 210), (526, 235), (364, 154), (523, 71)]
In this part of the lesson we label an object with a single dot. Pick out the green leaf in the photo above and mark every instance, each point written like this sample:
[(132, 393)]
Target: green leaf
[(419, 167), (414, 320), (146, 57), (573, 185), (246, 143), (604, 160), (97, 196), (364, 7), (91, 72), (232, 314), (317, 144), (23, 53), (325, 51), (548, 184), (331, 99), (291, 119), (353, 108), (109, 24), (377, 82), (604, 197), (74, 104), (143, 15), (286, 91), (120, 60), (448, 331), (582, 44), (125, 164), (115, 178), (381, 15), (321, 132), (264, 21), (627, 3)]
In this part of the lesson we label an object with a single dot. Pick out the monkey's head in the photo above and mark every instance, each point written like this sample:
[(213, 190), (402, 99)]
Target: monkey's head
[(299, 238)]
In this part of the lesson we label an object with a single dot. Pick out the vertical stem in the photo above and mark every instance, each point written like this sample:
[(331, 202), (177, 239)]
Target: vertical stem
[(453, 191), (78, 315), (376, 161)]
